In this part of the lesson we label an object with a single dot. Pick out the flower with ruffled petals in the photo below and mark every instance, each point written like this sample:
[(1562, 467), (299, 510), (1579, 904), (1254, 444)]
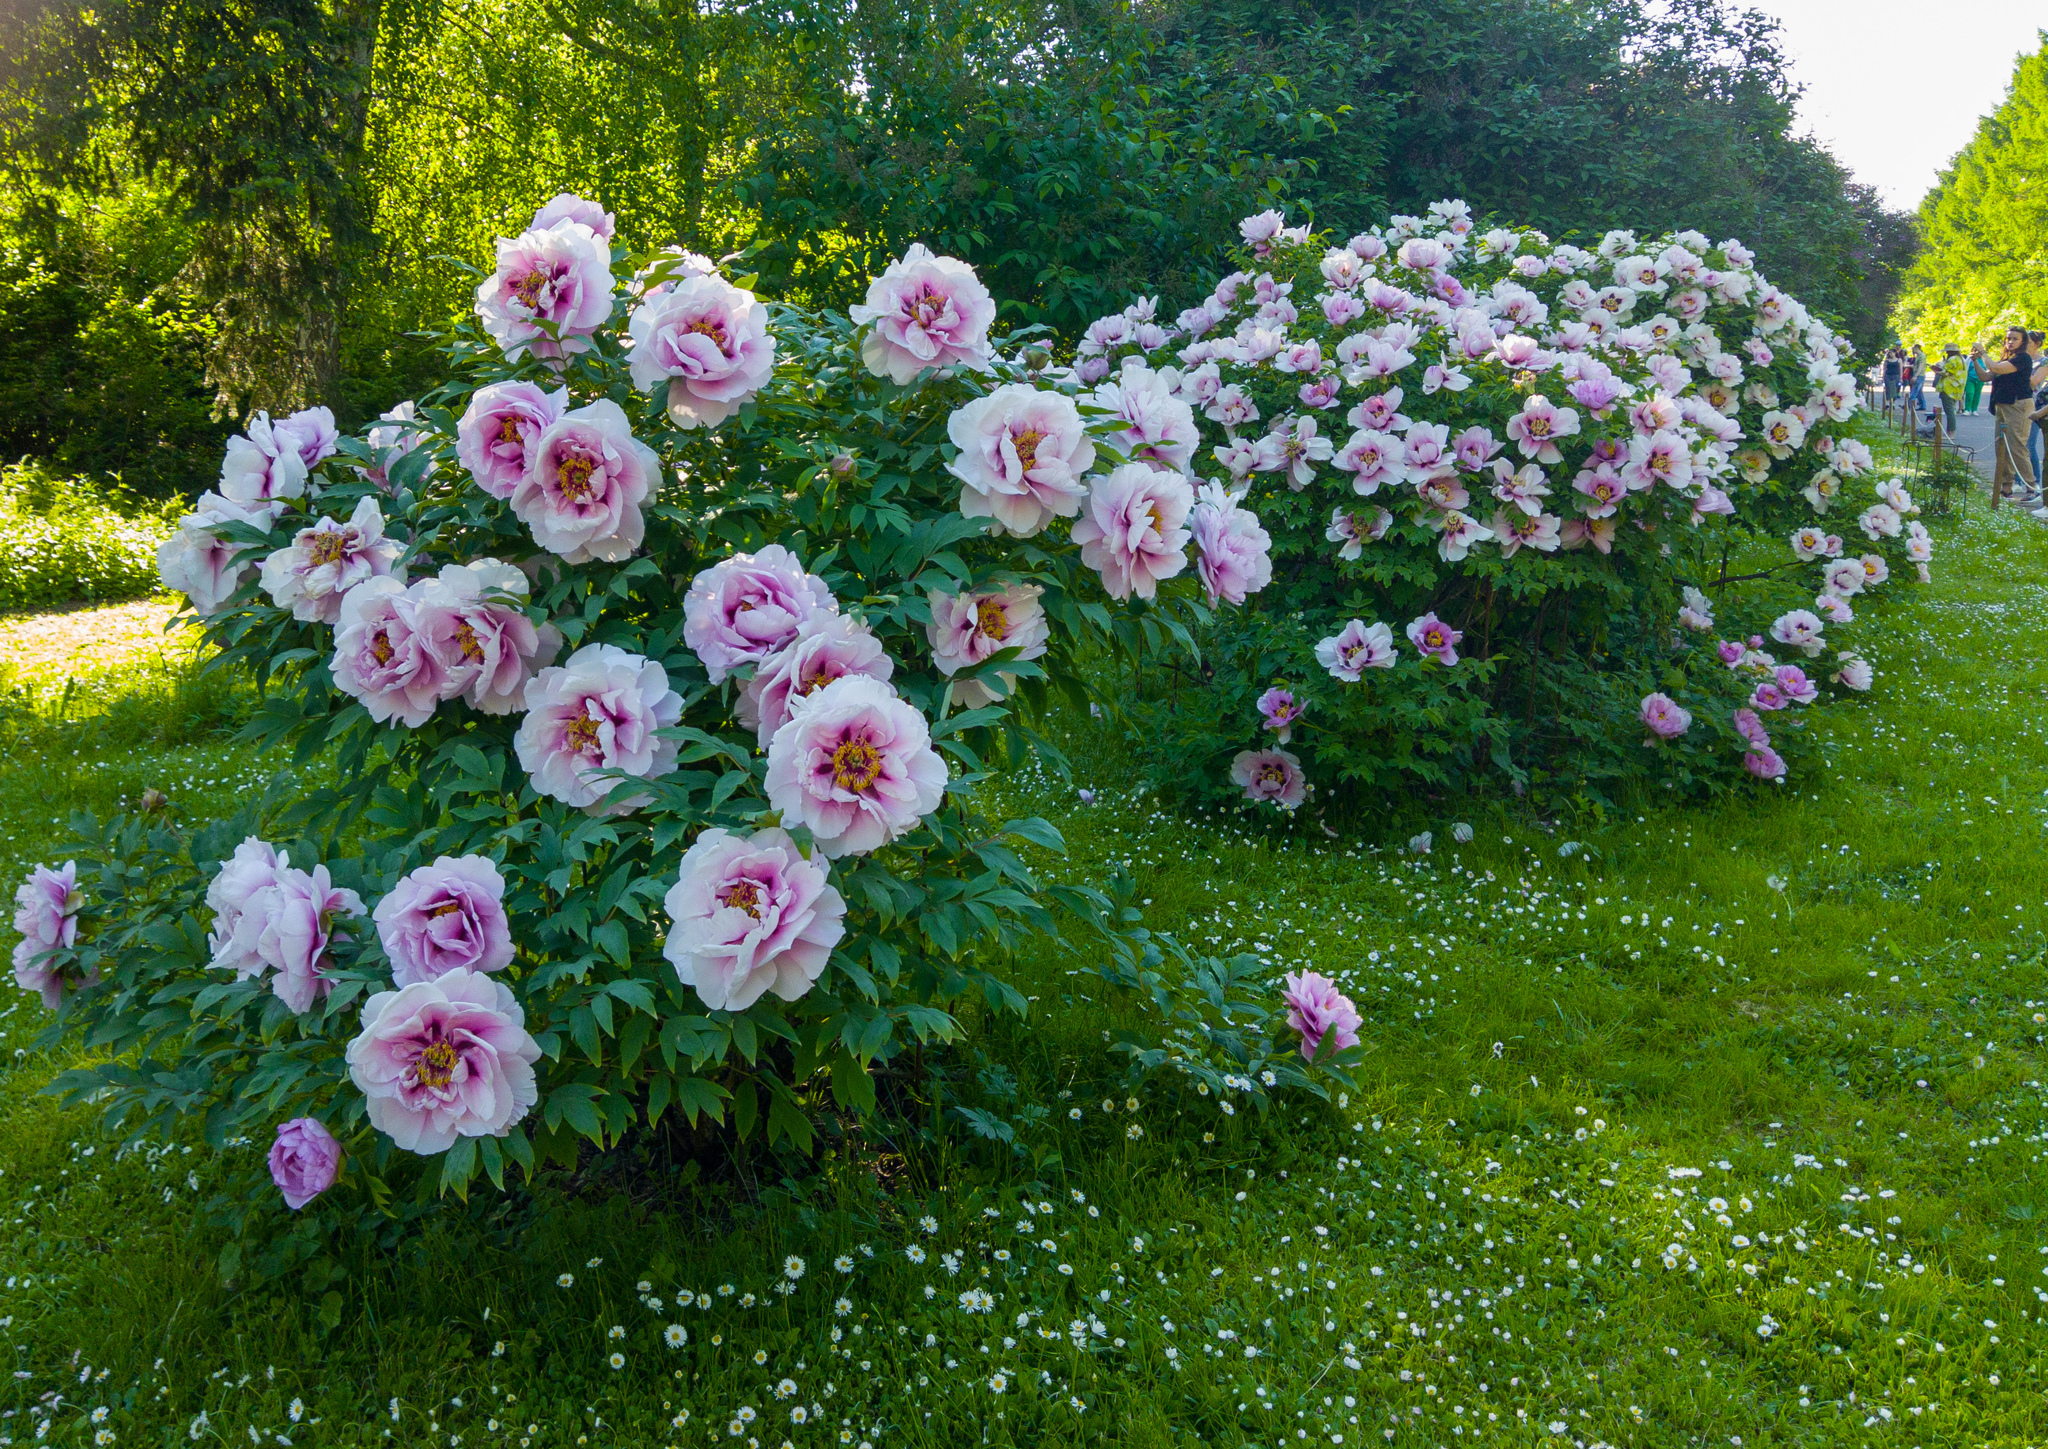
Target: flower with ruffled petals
[(552, 287), (1434, 639), (443, 1059), (472, 620), (582, 496), (1150, 421), (309, 432), (924, 311), (568, 206), (1764, 763), (1854, 671), (1794, 684), (303, 908), (201, 562), (496, 435), (381, 657), (239, 897), (1278, 710), (750, 916), (967, 629), (1023, 452), (1355, 648), (1799, 626), (1665, 717), (1538, 426), (304, 1161), (855, 764), (1316, 1009), (826, 647), (321, 563), (1233, 553), (46, 914), (1750, 727), (1270, 777), (709, 341), (1132, 530), (260, 467), (448, 916), (592, 719), (747, 607), (398, 435)]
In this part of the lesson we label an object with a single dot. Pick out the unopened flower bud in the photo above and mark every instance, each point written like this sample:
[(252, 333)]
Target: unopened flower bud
[(154, 799), (841, 464)]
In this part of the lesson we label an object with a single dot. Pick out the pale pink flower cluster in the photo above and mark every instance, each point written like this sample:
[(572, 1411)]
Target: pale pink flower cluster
[(497, 435), (271, 918), (826, 647), (1234, 555), (582, 490), (746, 608), (1133, 530), (403, 650), (269, 461)]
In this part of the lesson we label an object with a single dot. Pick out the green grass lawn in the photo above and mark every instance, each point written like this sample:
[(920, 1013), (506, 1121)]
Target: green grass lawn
[(1725, 1126)]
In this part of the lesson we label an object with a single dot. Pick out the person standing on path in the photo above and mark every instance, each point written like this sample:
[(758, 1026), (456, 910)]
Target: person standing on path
[(1948, 386), (1916, 380), (1891, 378), (1973, 384), (2040, 398), (2012, 378)]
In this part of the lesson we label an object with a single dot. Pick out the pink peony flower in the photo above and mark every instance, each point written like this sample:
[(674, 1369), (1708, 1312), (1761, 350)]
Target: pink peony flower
[(1665, 717), (1767, 696), (710, 341), (855, 764), (966, 629), (443, 1059), (199, 562), (1151, 422), (496, 436), (240, 898), (259, 466), (568, 206), (1278, 710), (1855, 672), (745, 608), (1355, 648), (1022, 456), (926, 311), (302, 910), (448, 916), (1315, 1008), (1270, 775), (826, 647), (1234, 554), (46, 914), (311, 433), (474, 627), (1801, 627), (323, 562), (597, 713), (1538, 426), (555, 280), (1875, 569), (1764, 763), (381, 656), (1797, 688), (1132, 532), (304, 1161), (751, 916), (582, 495), (397, 435), (1750, 727), (1434, 639)]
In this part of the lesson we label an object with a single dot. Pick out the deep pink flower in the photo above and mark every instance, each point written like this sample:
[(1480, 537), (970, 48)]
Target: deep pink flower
[(1270, 776), (46, 914), (1132, 531), (323, 562), (595, 718), (1316, 1008), (304, 1161), (1764, 763), (750, 915), (966, 629), (1434, 639), (303, 909), (925, 311), (1278, 710), (1665, 717), (710, 342), (1750, 727), (590, 475), (856, 765), (472, 622), (1796, 686), (497, 433), (1023, 454), (443, 1059), (1538, 426), (448, 916), (1234, 554), (310, 432), (745, 608), (560, 276), (381, 657), (826, 647), (1767, 696)]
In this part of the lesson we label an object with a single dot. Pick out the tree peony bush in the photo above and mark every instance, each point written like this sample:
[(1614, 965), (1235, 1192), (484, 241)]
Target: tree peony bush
[(1550, 467), (655, 656)]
